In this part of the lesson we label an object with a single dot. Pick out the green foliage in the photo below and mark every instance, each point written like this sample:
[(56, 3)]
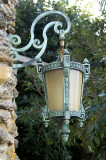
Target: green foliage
[(86, 39)]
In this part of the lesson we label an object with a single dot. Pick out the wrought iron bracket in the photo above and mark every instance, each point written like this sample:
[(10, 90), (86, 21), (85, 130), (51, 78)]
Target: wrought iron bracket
[(15, 40)]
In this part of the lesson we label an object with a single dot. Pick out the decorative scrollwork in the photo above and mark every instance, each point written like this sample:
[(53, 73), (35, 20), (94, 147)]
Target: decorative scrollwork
[(36, 44), (14, 55), (16, 40)]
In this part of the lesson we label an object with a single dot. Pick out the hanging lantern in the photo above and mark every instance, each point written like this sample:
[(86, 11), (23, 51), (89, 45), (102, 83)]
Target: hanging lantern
[(63, 83), (63, 79)]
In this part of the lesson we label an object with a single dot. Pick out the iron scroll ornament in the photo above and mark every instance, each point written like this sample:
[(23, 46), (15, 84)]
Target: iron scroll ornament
[(16, 40)]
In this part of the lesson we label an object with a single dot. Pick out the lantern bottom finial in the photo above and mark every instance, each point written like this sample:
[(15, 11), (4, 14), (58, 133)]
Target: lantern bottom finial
[(64, 138), (64, 132)]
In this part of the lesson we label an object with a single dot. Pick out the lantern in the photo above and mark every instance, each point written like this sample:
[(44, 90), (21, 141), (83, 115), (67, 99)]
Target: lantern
[(63, 84), (63, 80)]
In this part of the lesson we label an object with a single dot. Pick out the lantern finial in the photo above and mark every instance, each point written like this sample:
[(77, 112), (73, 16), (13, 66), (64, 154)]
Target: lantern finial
[(64, 132)]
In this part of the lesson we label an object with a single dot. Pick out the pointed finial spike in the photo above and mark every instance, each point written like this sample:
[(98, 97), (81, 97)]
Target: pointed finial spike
[(64, 138), (85, 60)]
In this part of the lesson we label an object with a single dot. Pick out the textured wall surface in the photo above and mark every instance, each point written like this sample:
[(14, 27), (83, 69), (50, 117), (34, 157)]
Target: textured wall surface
[(8, 81)]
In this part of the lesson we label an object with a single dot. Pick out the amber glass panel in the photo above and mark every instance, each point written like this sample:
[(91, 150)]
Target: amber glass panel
[(75, 89), (54, 85)]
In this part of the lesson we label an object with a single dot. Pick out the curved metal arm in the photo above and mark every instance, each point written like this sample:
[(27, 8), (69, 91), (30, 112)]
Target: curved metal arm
[(16, 40)]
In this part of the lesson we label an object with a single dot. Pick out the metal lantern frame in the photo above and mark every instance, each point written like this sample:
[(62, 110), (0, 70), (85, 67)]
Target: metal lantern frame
[(64, 64)]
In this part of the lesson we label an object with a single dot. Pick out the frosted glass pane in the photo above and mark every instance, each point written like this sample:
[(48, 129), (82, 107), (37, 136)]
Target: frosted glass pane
[(75, 89), (54, 85)]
